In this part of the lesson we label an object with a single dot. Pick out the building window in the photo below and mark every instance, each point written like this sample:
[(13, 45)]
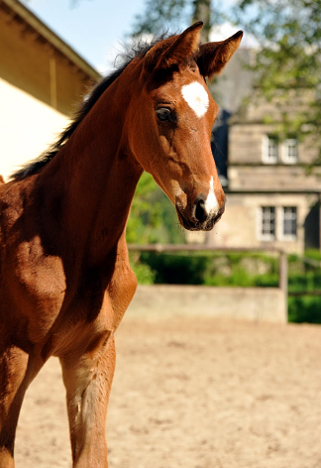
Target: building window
[(277, 223), (290, 151), (270, 150), (273, 151), (289, 222), (268, 222)]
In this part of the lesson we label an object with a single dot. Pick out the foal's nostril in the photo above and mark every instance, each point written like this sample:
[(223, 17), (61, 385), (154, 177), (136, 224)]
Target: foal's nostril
[(200, 211)]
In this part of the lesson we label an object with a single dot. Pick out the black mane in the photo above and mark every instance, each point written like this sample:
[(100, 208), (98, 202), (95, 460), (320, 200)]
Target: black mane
[(31, 168)]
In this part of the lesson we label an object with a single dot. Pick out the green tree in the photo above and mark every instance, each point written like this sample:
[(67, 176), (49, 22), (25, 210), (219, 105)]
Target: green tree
[(161, 15), (202, 11), (288, 64), (152, 218), (145, 217)]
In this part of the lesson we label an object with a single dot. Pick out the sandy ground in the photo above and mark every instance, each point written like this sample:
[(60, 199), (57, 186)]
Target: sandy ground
[(194, 393)]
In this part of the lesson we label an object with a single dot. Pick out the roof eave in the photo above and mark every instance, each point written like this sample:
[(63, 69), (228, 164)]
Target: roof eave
[(29, 18)]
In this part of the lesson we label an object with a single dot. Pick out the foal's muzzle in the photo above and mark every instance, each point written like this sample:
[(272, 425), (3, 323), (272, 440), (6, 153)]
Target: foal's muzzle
[(197, 218)]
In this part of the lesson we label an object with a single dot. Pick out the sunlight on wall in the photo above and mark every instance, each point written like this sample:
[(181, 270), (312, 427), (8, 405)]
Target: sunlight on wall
[(27, 127)]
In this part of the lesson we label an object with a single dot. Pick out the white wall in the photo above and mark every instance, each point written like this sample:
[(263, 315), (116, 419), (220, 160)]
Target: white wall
[(27, 127)]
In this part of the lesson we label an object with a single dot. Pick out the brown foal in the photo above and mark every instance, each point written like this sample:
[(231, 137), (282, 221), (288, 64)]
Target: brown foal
[(65, 278)]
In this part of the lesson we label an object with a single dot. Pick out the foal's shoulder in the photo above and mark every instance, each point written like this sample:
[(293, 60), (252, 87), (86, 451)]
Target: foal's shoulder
[(14, 196)]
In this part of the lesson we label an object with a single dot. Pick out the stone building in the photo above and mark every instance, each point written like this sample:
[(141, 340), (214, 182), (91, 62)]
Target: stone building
[(41, 81), (272, 201)]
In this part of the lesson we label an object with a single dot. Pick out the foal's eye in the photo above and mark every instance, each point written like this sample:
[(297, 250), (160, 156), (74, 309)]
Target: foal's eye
[(164, 114)]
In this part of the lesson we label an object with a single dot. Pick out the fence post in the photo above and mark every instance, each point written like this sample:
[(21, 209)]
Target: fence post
[(283, 278)]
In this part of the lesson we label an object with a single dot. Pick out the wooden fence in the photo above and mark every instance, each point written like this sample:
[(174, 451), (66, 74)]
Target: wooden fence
[(257, 303)]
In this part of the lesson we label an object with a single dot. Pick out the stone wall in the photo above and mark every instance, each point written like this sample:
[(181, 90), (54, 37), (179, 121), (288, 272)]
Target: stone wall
[(255, 304)]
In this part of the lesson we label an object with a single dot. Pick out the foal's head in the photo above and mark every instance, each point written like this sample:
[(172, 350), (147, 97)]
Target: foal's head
[(172, 120)]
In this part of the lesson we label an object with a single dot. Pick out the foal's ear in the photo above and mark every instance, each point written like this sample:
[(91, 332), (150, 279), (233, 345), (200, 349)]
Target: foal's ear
[(174, 50), (212, 57)]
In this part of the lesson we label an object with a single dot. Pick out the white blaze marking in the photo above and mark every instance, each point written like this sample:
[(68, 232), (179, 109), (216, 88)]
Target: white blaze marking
[(211, 204), (196, 97)]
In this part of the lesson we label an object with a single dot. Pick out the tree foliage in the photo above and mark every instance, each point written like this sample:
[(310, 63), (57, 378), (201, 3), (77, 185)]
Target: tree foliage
[(288, 65), (159, 16), (152, 218)]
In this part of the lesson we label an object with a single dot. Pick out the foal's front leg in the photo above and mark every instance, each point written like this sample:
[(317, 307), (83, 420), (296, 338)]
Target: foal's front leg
[(17, 369), (87, 378)]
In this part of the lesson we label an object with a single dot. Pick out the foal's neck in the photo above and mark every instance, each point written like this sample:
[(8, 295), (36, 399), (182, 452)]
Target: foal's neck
[(95, 175)]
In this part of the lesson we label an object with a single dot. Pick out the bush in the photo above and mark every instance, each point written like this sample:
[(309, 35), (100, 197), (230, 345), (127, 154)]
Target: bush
[(233, 269), (143, 272), (304, 309), (212, 269), (314, 254), (176, 269)]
